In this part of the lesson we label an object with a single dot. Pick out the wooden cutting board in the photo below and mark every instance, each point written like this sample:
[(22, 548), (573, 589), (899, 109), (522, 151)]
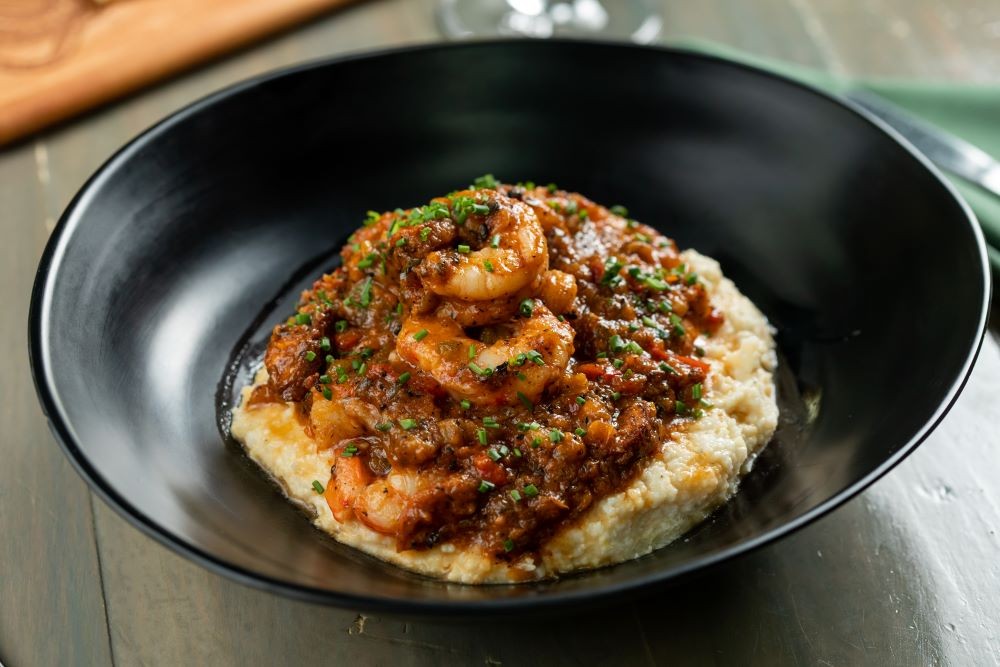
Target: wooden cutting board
[(59, 57)]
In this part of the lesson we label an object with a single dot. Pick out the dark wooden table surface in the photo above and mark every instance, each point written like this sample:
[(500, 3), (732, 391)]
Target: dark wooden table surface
[(908, 573)]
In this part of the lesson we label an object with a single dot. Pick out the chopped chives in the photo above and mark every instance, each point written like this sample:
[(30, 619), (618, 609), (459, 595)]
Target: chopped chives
[(479, 370), (580, 400), (525, 401), (350, 450), (481, 209), (580, 431), (327, 394), (620, 210), (618, 363), (324, 379), (317, 486), (508, 545), (527, 307), (531, 490), (329, 358), (362, 368), (481, 435), (616, 344), (465, 404), (678, 325), (472, 352), (424, 233), (407, 424), (310, 355), (634, 347), (404, 378), (493, 454), (555, 435), (464, 249), (664, 366), (488, 265), (325, 343), (517, 452), (490, 422), (696, 391), (495, 241), (420, 335), (303, 318), (535, 357), (649, 321), (655, 283), (485, 486), (515, 495), (536, 442), (384, 426), (680, 407), (615, 395), (400, 243)]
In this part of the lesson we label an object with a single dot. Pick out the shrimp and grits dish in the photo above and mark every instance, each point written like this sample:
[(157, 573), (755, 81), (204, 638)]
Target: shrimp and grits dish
[(510, 383)]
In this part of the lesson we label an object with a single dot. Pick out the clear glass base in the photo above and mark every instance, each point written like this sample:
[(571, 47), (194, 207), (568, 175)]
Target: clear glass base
[(634, 20)]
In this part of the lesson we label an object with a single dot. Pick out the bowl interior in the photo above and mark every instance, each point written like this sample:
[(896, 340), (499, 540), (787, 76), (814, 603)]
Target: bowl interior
[(166, 273)]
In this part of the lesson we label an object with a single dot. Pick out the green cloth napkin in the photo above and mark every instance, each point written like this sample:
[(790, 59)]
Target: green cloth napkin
[(968, 111)]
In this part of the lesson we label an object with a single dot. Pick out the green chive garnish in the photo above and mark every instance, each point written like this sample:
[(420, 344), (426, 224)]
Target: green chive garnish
[(580, 400), (508, 545), (404, 378), (531, 490), (327, 394), (527, 307), (303, 318), (464, 249), (341, 326), (420, 335), (407, 424), (488, 265), (515, 495), (555, 435), (580, 431), (525, 401), (493, 454), (465, 405), (495, 241), (479, 370), (485, 486), (696, 391), (481, 435), (317, 486), (325, 344), (310, 355)]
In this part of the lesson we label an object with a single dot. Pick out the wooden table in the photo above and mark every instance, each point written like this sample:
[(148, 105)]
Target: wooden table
[(908, 573)]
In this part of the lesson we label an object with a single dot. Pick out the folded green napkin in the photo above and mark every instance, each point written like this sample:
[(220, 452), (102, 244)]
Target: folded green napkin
[(967, 111)]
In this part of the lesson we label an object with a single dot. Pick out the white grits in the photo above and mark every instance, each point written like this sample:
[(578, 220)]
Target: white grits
[(690, 476)]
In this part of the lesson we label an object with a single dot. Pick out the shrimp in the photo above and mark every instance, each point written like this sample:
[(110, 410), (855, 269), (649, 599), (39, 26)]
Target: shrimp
[(523, 358), (512, 255), (379, 503)]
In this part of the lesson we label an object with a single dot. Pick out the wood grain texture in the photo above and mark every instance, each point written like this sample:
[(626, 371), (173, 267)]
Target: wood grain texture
[(51, 606), (58, 57), (904, 574)]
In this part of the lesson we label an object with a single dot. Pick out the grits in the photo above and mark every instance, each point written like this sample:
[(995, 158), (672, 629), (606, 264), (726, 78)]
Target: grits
[(680, 484)]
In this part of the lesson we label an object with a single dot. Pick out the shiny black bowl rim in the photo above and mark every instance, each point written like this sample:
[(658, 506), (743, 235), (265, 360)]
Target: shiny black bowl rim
[(49, 265)]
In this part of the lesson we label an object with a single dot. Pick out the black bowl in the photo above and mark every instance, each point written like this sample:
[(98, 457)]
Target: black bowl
[(164, 275)]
